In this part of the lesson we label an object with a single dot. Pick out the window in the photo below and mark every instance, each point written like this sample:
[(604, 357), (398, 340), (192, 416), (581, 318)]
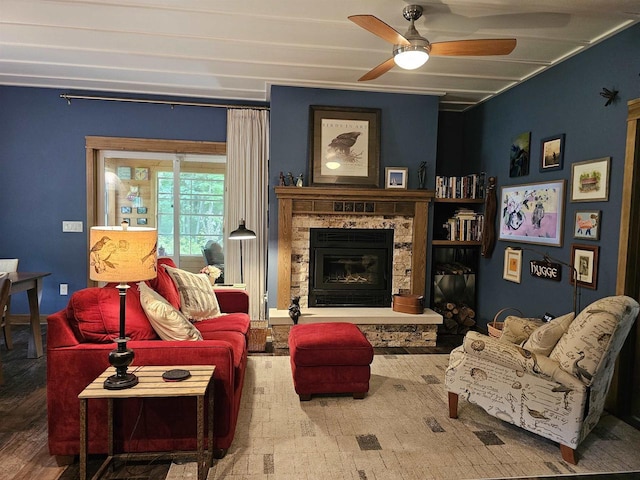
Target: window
[(201, 216), (141, 181)]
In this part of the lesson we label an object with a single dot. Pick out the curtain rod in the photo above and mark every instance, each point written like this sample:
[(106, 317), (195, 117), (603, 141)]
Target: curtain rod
[(68, 98)]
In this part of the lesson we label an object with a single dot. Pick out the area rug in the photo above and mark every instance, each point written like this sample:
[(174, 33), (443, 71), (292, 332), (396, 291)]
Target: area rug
[(401, 430)]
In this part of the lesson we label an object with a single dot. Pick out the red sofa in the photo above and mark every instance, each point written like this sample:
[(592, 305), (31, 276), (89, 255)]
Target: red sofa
[(77, 352)]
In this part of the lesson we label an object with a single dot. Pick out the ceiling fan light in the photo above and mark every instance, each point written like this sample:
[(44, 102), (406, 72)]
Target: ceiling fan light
[(411, 57)]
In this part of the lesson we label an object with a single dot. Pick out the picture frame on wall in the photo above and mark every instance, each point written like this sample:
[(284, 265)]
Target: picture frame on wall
[(552, 153), (141, 210), (124, 173), (584, 258), (344, 146), (586, 224), (512, 265), (141, 221), (590, 180), (533, 213), (142, 173), (396, 177), (519, 155), (125, 210)]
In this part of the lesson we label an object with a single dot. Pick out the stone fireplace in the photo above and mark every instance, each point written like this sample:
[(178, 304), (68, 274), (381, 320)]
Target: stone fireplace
[(301, 211)]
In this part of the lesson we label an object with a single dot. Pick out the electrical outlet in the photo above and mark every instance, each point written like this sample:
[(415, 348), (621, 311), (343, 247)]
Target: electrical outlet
[(64, 289), (71, 226)]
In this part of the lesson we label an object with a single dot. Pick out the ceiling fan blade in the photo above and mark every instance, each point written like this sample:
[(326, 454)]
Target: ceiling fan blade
[(379, 28), (384, 67), (497, 46)]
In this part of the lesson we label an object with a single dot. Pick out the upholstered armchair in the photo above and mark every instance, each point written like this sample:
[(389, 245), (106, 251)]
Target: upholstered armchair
[(554, 381)]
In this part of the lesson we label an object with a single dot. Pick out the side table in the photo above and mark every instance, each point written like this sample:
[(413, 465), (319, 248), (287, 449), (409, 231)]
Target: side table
[(151, 384)]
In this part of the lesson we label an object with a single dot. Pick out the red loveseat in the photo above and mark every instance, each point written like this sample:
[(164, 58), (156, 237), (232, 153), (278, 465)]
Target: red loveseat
[(79, 340)]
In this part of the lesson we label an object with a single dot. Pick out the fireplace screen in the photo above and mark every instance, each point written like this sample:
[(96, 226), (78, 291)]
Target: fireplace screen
[(350, 267)]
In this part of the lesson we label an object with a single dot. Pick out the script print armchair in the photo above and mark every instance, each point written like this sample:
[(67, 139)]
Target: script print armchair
[(558, 395)]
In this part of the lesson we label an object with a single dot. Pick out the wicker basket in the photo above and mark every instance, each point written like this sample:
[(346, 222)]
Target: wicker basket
[(495, 327), (258, 336)]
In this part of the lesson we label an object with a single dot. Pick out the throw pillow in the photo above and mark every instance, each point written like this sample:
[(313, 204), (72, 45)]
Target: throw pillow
[(544, 338), (517, 330), (94, 316), (168, 322), (197, 300)]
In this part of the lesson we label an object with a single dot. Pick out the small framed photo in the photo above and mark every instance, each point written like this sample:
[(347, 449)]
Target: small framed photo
[(141, 210), (590, 180), (125, 210), (142, 173), (141, 221), (127, 219), (587, 224), (512, 265), (124, 173), (552, 153), (395, 177), (584, 258), (519, 155)]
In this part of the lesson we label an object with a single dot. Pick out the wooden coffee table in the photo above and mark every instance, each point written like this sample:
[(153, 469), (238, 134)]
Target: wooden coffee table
[(151, 384)]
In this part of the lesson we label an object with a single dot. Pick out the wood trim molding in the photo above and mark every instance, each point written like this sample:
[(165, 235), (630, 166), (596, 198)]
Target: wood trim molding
[(357, 202)]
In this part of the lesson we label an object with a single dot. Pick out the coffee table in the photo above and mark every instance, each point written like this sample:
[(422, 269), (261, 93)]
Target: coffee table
[(151, 384)]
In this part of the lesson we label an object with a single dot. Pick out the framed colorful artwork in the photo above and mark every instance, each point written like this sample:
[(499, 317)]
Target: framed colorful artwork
[(532, 213), (552, 153), (590, 180), (512, 265), (587, 224), (519, 155)]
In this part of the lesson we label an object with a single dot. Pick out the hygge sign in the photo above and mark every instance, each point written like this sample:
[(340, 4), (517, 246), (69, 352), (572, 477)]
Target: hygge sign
[(548, 270)]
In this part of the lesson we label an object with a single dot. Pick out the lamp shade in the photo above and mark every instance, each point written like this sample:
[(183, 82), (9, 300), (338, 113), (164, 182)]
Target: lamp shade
[(122, 254), (242, 233), (410, 57)]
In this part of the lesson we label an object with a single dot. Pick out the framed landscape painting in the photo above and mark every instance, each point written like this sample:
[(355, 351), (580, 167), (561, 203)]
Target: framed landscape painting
[(533, 213)]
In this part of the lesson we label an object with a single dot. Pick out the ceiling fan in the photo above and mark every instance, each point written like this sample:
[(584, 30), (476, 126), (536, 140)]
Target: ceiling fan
[(411, 50)]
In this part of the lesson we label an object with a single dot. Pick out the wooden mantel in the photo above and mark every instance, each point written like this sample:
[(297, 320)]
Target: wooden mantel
[(351, 201)]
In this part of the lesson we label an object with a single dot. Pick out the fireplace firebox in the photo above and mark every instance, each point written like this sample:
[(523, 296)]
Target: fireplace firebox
[(350, 267)]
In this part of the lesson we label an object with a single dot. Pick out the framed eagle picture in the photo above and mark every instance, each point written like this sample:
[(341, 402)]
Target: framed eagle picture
[(344, 146)]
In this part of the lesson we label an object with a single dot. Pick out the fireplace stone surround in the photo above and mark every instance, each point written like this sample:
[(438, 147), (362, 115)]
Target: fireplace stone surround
[(404, 211)]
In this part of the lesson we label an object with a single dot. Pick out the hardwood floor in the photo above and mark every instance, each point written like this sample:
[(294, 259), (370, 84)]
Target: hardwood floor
[(23, 414)]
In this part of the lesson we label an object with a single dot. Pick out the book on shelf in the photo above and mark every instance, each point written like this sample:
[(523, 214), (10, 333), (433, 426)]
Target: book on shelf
[(467, 186), (465, 226)]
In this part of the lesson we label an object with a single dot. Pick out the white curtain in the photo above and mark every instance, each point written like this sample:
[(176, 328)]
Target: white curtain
[(247, 193)]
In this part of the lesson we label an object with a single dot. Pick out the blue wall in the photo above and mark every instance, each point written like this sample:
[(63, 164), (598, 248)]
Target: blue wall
[(43, 174), (564, 99), (408, 131)]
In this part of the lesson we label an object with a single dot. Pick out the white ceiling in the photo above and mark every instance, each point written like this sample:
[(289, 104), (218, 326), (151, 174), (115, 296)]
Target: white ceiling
[(231, 49)]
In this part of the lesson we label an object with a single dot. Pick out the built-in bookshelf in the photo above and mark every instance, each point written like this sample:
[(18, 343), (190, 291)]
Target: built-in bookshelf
[(466, 186)]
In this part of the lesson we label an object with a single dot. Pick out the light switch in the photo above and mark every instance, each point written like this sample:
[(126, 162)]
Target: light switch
[(71, 226)]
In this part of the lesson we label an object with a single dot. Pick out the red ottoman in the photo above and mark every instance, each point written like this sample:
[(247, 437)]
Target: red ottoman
[(330, 358)]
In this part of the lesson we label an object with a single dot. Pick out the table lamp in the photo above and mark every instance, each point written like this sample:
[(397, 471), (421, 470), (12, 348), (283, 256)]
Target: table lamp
[(122, 254), (242, 233)]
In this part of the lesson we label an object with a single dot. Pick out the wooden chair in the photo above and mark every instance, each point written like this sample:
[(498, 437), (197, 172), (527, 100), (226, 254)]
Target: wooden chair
[(7, 265), (5, 290)]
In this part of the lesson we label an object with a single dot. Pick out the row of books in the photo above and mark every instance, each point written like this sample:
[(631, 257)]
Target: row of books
[(465, 225), (468, 186)]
